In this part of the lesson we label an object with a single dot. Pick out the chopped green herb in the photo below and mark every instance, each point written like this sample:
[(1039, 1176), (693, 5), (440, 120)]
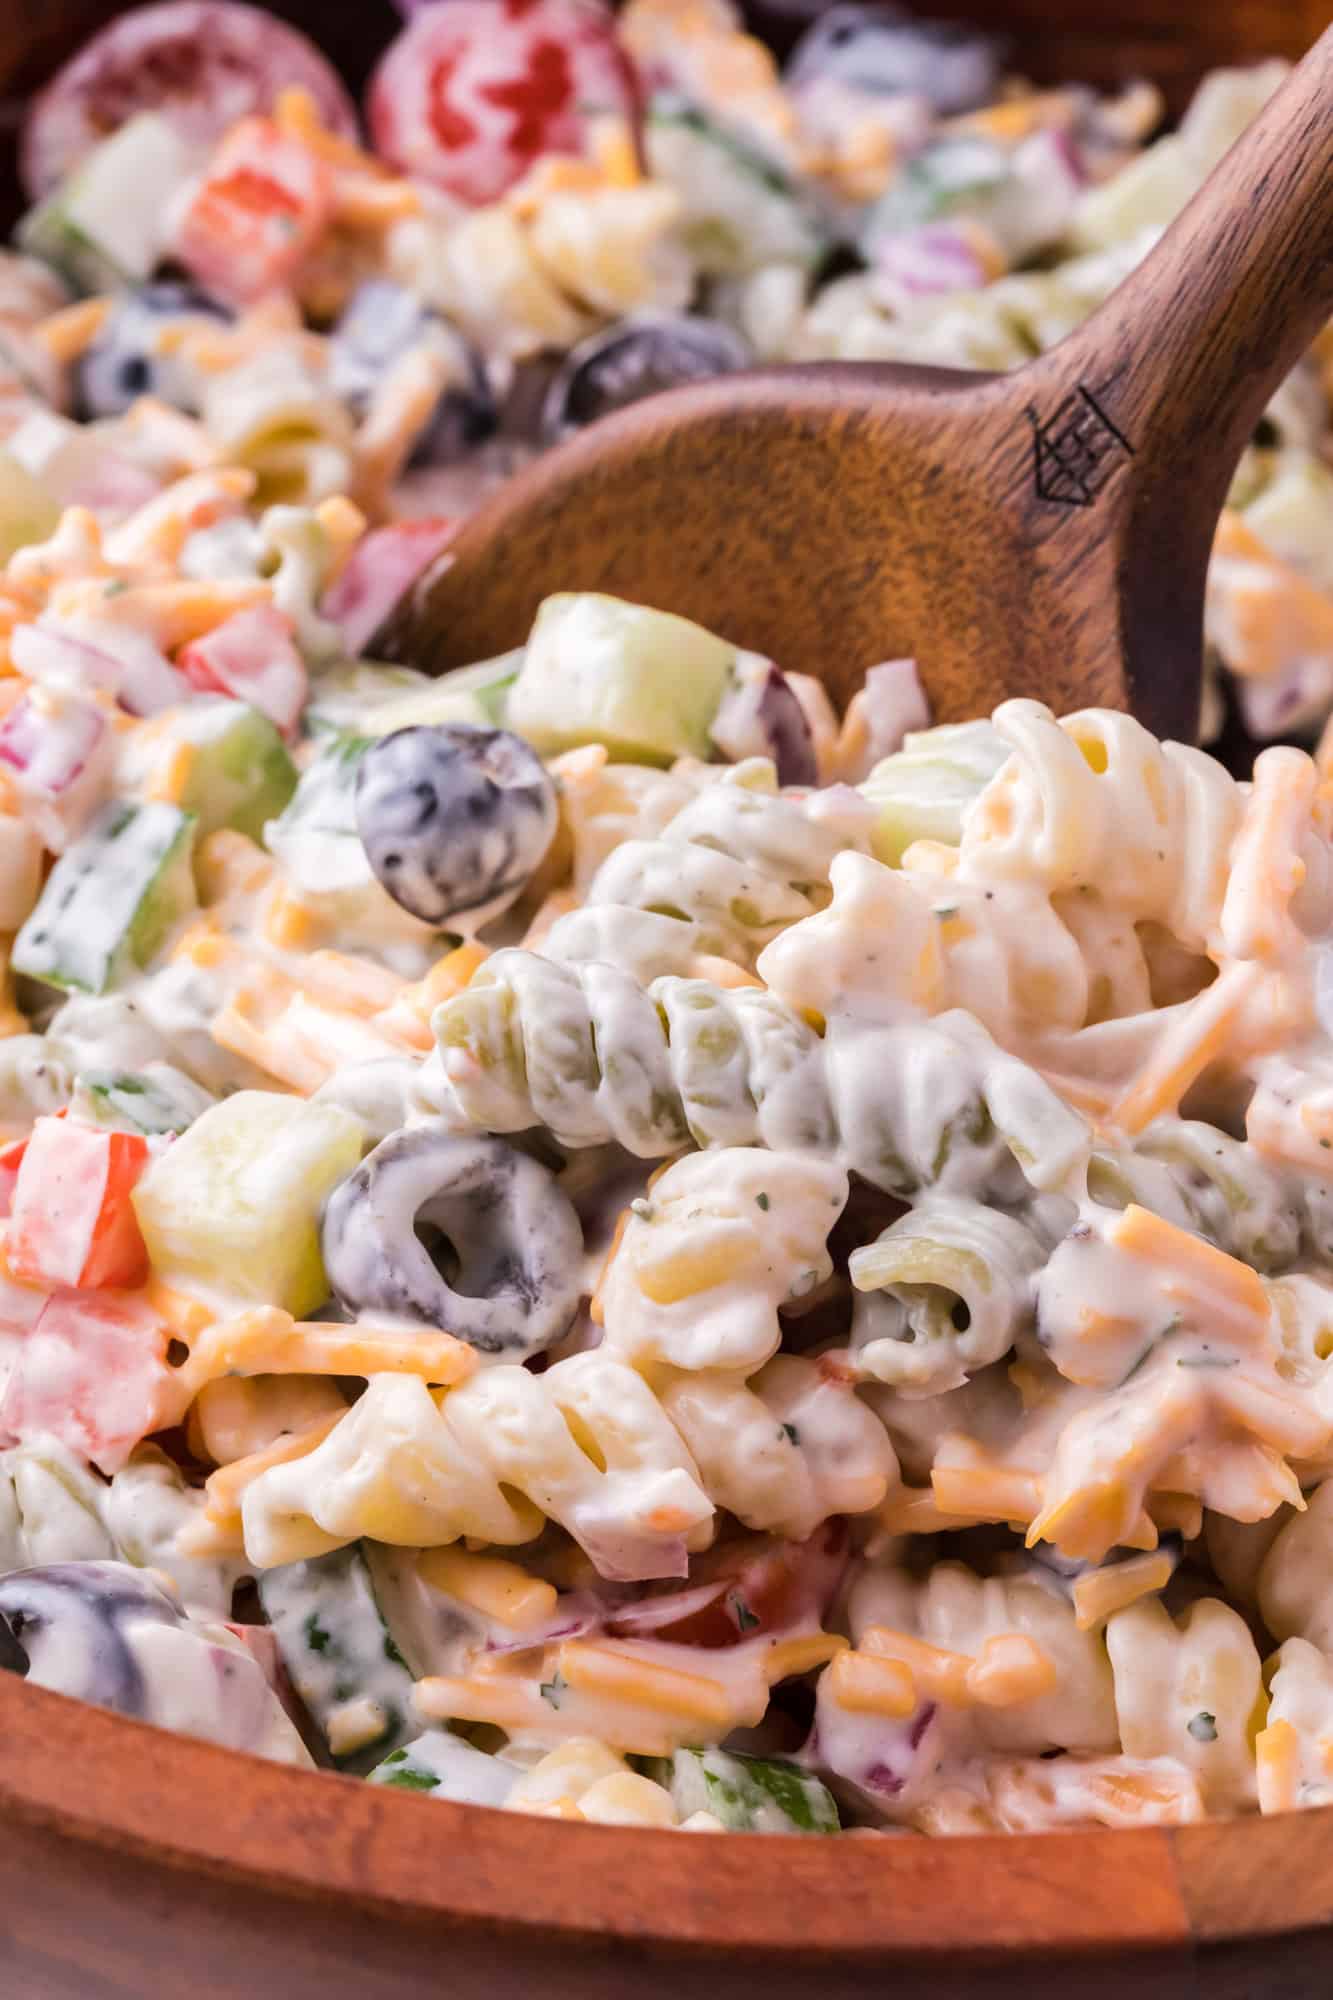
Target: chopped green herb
[(790, 1431), (762, 1201), (746, 1620), (316, 1637), (413, 1781)]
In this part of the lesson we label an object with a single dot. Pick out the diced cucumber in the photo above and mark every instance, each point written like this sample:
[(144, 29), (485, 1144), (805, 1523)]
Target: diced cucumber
[(104, 228), (1294, 515), (1149, 191), (341, 1655), (156, 1100), (50, 1508), (234, 1204), (111, 899), (489, 683), (238, 772), (598, 670), (34, 1082), (741, 210), (315, 836), (343, 694), (923, 790), (749, 1794), (28, 513), (370, 700), (321, 852), (444, 1766), (437, 703), (956, 171)]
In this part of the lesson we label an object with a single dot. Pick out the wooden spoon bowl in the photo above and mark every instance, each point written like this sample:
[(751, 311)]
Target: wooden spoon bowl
[(133, 1864), (1042, 533)]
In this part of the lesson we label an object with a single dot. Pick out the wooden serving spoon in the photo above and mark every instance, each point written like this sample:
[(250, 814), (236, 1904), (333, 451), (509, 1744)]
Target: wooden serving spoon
[(1045, 532)]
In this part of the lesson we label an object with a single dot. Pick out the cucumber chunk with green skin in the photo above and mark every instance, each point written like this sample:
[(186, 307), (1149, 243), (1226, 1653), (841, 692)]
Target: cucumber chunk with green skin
[(749, 1794), (922, 791), (371, 700), (234, 1204), (342, 1658), (111, 899), (442, 1766), (238, 774), (104, 227), (599, 670), (153, 1101), (741, 210)]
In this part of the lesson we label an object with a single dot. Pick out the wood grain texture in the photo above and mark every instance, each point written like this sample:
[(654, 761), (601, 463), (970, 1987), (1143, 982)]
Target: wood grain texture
[(131, 1864), (134, 1865), (1045, 532)]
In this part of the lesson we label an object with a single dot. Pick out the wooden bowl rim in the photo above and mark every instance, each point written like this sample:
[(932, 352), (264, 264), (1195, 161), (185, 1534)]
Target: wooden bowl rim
[(100, 1779)]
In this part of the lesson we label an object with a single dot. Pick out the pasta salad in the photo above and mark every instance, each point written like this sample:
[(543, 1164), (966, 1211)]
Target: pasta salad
[(589, 1236), (548, 211)]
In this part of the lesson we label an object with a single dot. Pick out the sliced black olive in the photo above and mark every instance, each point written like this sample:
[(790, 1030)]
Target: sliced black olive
[(636, 358), (124, 363), (427, 1203), (382, 322), (883, 51), (453, 818)]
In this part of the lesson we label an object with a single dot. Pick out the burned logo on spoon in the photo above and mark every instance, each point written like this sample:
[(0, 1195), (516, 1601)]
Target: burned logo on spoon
[(1075, 451)]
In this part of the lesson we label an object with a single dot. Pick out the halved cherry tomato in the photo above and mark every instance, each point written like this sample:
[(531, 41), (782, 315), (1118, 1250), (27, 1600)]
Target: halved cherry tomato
[(472, 93), (202, 64)]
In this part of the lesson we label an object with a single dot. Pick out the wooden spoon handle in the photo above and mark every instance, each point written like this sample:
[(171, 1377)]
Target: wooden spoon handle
[(1185, 354)]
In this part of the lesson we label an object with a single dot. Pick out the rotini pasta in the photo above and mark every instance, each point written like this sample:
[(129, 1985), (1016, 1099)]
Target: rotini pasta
[(586, 1052), (741, 861), (732, 1267), (493, 1457)]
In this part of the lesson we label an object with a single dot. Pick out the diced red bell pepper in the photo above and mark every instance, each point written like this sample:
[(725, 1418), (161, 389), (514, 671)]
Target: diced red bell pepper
[(72, 1221), (92, 1372), (251, 657), (11, 1158), (382, 569), (263, 202)]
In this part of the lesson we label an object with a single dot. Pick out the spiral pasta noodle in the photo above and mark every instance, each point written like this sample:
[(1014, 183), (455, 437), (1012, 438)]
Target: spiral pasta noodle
[(586, 1052), (742, 860), (1094, 800), (943, 1292), (588, 1444)]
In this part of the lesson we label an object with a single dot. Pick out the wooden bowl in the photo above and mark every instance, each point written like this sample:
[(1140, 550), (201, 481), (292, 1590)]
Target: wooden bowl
[(134, 1864)]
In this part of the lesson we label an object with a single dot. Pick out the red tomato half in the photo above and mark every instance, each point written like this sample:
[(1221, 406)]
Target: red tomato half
[(203, 64), (473, 91)]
